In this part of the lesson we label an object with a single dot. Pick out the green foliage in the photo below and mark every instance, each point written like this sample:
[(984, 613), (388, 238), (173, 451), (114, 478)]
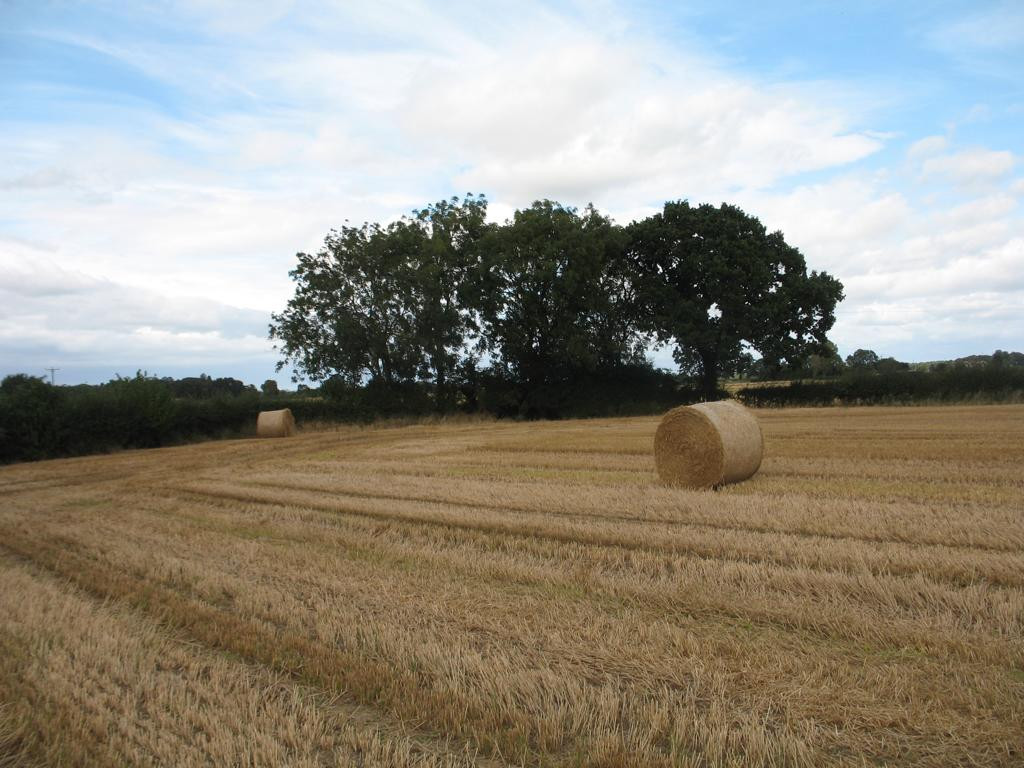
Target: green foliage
[(866, 360), (553, 305), (1000, 359), (29, 418), (386, 303), (446, 255), (39, 421), (1003, 359), (145, 409), (824, 364), (217, 416), (552, 299), (890, 365), (863, 359), (396, 312), (955, 383), (204, 386), (270, 388), (714, 282), (353, 312), (624, 390)]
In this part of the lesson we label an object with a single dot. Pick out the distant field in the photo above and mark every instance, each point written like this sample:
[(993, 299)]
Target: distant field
[(522, 594), (732, 386)]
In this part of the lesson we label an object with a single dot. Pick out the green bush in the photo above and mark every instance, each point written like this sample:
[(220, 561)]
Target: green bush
[(622, 391), (146, 410), (990, 383), (29, 418)]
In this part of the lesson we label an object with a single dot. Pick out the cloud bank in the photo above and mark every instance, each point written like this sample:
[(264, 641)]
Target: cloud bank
[(161, 169)]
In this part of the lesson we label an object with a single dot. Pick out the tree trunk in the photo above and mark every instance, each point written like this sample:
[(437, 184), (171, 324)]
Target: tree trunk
[(709, 376), (442, 399)]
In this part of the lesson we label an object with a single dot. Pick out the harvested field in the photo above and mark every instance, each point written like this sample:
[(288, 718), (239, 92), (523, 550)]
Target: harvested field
[(522, 594)]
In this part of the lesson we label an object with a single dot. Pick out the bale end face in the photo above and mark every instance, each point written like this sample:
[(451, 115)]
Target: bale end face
[(707, 445)]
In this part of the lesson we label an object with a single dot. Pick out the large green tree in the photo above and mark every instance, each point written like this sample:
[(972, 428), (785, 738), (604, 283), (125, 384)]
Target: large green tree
[(552, 301), (445, 256), (382, 303), (353, 314), (713, 282)]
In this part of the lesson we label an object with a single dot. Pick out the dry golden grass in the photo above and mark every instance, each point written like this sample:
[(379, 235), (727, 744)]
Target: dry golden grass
[(475, 593)]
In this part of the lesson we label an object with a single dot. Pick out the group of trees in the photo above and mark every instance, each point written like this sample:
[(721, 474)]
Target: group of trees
[(525, 315), (826, 363), (204, 386), (868, 380)]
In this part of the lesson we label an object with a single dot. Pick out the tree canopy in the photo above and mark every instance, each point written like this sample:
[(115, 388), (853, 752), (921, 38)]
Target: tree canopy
[(551, 303), (862, 358), (714, 283), (548, 299)]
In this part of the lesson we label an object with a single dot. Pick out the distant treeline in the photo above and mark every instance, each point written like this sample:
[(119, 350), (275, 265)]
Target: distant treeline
[(827, 364), (999, 378), (40, 421)]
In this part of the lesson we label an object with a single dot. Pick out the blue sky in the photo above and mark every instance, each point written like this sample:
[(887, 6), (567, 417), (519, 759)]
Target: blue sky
[(161, 163)]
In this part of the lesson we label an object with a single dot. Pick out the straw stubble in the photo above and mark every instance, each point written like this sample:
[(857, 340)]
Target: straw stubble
[(530, 594)]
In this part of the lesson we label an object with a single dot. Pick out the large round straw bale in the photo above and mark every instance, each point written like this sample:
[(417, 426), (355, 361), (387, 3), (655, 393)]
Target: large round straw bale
[(275, 423), (707, 445)]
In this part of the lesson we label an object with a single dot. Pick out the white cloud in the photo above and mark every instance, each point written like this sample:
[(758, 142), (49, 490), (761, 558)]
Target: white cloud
[(990, 272), (574, 116), (174, 232), (933, 323), (202, 212), (82, 318), (920, 273), (128, 309), (929, 145), (990, 208), (970, 166), (43, 178), (844, 224)]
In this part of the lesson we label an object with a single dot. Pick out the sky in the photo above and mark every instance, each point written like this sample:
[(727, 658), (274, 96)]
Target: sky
[(162, 162)]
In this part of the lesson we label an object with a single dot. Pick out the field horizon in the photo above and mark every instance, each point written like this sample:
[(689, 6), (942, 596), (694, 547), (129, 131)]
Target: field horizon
[(473, 592)]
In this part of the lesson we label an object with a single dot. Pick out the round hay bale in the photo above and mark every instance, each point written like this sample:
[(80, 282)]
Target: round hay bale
[(275, 423), (708, 445)]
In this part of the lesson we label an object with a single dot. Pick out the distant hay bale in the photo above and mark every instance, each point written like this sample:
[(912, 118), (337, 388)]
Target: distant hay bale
[(708, 445), (275, 423)]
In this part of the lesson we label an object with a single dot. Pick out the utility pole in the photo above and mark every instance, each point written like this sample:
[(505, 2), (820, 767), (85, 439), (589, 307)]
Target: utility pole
[(52, 371)]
